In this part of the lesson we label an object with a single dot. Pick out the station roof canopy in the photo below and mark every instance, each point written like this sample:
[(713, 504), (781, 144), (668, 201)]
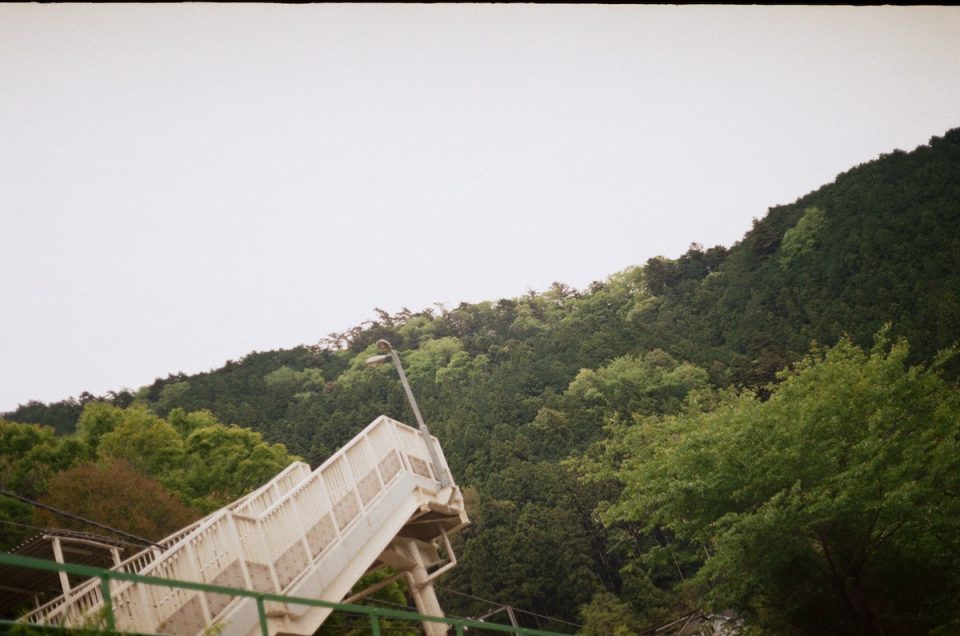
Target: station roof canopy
[(20, 588)]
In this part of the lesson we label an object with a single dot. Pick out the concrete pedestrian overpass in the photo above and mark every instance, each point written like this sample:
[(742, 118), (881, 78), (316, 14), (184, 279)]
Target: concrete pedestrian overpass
[(385, 500)]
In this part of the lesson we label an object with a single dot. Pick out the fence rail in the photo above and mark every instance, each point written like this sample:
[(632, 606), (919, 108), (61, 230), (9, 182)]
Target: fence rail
[(375, 615)]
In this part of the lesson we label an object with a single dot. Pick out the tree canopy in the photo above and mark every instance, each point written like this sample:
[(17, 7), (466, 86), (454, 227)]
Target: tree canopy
[(129, 469), (832, 506)]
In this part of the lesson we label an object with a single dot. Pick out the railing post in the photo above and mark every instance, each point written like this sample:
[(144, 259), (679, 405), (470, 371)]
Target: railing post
[(401, 447), (262, 614), (193, 562), (294, 502), (268, 549), (107, 602), (147, 611), (325, 494), (354, 480), (375, 625), (234, 533)]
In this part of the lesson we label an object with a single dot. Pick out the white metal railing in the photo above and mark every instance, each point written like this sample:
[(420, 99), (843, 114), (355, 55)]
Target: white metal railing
[(89, 592), (263, 541), (263, 497)]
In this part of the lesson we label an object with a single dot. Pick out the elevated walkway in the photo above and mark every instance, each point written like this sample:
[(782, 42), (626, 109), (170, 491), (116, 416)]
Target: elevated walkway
[(312, 534)]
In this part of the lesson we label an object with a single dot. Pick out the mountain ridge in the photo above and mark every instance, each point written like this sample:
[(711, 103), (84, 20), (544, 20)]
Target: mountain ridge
[(539, 400)]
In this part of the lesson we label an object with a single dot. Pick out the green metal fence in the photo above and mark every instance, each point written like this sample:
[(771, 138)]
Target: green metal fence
[(374, 614)]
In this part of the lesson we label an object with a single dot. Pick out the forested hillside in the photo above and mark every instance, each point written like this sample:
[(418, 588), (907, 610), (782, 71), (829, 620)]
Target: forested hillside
[(771, 428)]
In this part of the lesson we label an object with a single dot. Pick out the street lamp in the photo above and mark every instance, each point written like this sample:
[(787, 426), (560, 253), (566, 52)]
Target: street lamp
[(383, 345)]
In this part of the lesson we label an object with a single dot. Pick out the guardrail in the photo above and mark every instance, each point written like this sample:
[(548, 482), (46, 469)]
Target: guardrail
[(374, 615)]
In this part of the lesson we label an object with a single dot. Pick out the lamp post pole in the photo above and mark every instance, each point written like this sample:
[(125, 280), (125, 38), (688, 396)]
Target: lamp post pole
[(383, 345)]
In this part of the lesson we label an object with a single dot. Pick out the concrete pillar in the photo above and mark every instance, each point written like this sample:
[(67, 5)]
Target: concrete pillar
[(421, 587)]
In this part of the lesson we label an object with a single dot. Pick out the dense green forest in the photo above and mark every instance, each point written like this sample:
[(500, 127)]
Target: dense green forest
[(771, 428)]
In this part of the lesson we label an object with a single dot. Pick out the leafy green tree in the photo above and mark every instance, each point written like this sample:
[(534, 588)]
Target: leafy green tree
[(30, 455), (833, 505), (802, 238), (607, 615), (114, 493), (222, 463), (147, 442), (542, 557), (650, 383), (61, 416), (171, 395), (298, 384), (97, 419), (423, 363), (185, 423), (14, 522)]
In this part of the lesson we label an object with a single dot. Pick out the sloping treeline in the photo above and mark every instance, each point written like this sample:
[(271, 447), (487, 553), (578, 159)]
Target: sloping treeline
[(636, 449)]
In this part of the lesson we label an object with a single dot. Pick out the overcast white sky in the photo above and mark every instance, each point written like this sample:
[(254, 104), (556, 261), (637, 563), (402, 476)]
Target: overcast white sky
[(183, 184)]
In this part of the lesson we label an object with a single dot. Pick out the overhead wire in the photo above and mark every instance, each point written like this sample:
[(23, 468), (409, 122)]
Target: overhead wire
[(476, 598), (515, 609), (48, 529), (75, 517)]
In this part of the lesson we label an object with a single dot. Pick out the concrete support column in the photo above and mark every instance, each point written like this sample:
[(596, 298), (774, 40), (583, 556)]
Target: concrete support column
[(421, 587)]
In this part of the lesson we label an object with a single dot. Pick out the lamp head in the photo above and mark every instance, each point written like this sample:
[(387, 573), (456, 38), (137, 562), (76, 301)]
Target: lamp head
[(375, 360)]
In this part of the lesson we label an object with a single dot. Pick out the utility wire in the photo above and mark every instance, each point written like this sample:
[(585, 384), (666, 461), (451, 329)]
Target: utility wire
[(378, 601), (70, 515), (515, 609), (84, 535)]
